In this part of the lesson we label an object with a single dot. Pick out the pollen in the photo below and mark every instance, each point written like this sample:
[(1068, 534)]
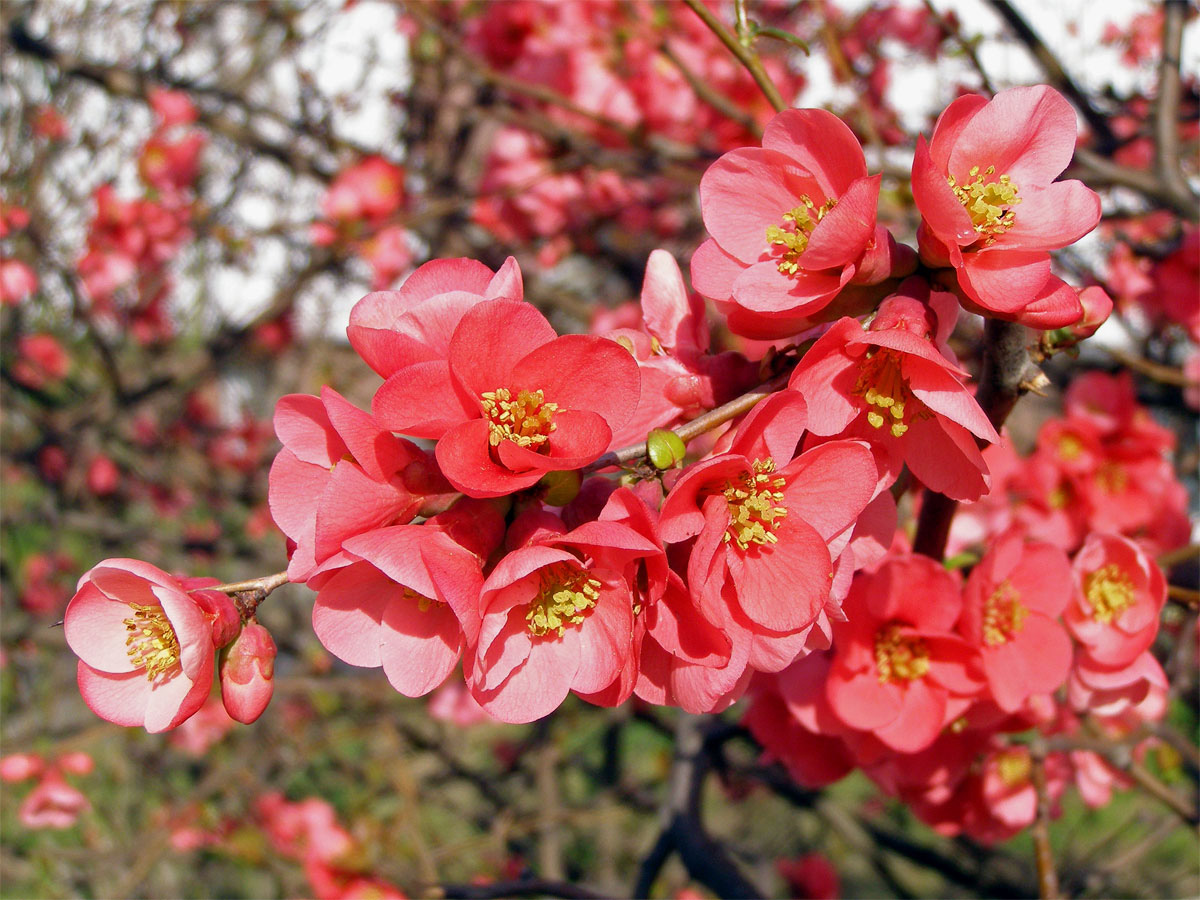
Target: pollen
[(1112, 478), (151, 643), (989, 201), (1003, 615), (1014, 766), (527, 421), (424, 604), (1069, 447), (793, 233), (899, 657), (564, 598), (755, 505), (889, 400), (1108, 591)]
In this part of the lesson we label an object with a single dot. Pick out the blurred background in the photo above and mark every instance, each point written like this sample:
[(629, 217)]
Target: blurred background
[(193, 197)]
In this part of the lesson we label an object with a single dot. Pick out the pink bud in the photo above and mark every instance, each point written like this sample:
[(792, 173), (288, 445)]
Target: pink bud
[(1097, 306), (247, 673), (19, 766), (77, 763)]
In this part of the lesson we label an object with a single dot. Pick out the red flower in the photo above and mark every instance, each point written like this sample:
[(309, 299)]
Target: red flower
[(1011, 604), (989, 209), (792, 224), (899, 671), (889, 385), (512, 401), (145, 644)]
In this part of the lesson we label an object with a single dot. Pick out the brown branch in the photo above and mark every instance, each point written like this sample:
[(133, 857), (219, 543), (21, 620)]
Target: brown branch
[(1043, 851), (247, 595), (1056, 74), (1167, 104), (528, 887), (1152, 370), (1008, 372), (746, 56)]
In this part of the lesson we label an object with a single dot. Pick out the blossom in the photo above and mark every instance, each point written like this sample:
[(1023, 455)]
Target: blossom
[(512, 401), (899, 670), (768, 528), (791, 224), (891, 386), (1119, 593), (1011, 604), (17, 281), (989, 208), (52, 803), (557, 616), (145, 644), (340, 474)]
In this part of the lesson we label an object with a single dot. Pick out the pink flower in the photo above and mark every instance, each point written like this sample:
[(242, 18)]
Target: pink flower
[(17, 281), (989, 209), (1011, 605), (52, 804), (145, 644), (409, 601), (210, 723), (557, 616), (392, 330), (248, 673), (792, 224), (42, 360), (172, 107), (769, 528), (371, 191), (512, 401), (891, 386), (899, 671), (21, 766), (340, 474), (1119, 593)]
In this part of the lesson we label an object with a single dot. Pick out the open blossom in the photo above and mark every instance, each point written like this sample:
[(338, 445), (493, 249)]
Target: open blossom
[(557, 616), (408, 601), (899, 670), (145, 643), (891, 386), (769, 528), (792, 223), (1011, 605), (1119, 593), (512, 400), (340, 474), (989, 208)]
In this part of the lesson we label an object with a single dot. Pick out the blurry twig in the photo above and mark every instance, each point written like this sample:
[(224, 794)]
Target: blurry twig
[(745, 55), (1043, 851)]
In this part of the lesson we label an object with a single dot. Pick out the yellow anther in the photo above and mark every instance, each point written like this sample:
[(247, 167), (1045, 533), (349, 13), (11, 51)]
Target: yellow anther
[(792, 235), (754, 505), (565, 596), (989, 203), (526, 421), (899, 657), (151, 643), (1108, 591), (882, 385), (1003, 614)]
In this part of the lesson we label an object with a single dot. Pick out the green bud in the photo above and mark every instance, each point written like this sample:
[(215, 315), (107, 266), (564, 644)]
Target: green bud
[(665, 448), (560, 487)]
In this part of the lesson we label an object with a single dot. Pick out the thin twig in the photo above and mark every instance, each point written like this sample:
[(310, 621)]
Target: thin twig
[(1168, 102), (746, 56), (1043, 852)]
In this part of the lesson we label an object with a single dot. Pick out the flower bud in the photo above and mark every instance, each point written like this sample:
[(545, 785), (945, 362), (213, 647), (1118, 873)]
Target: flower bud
[(1097, 306), (561, 487), (248, 673), (665, 448), (220, 609), (20, 766)]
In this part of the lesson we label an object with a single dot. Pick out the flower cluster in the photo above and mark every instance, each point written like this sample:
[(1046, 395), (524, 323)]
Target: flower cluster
[(514, 504)]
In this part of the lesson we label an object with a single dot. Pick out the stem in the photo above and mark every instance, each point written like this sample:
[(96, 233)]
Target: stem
[(1043, 852), (247, 595), (689, 431), (1169, 102), (746, 56), (1008, 372)]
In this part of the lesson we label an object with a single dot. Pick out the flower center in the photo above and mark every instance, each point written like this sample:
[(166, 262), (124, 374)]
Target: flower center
[(565, 596), (1003, 614), (151, 643), (1013, 767), (1108, 591), (526, 421), (423, 602), (1112, 478), (886, 392), (754, 510), (792, 235), (898, 656), (1069, 448), (990, 204)]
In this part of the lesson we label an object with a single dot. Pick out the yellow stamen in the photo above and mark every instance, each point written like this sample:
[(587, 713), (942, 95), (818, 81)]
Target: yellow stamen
[(1108, 591), (990, 204), (526, 421), (565, 596), (1003, 614), (899, 657), (793, 234), (882, 385), (151, 643), (754, 506), (1014, 766)]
